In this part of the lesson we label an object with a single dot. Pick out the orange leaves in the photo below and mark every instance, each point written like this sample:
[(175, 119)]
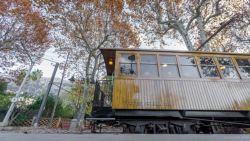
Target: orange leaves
[(99, 21), (20, 7), (115, 6), (112, 6), (106, 17), (24, 32), (3, 7), (23, 4), (127, 36), (178, 1), (36, 27), (136, 3), (23, 22)]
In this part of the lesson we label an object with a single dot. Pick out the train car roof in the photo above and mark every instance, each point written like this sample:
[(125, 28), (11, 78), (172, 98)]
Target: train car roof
[(109, 54)]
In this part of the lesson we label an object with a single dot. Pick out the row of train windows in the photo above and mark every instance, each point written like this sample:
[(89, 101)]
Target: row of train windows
[(189, 66)]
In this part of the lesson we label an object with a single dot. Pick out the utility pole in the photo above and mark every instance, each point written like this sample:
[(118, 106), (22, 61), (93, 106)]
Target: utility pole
[(13, 104), (58, 93), (46, 96)]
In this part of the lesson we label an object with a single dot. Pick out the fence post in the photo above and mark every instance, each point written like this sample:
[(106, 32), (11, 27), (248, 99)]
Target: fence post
[(58, 122)]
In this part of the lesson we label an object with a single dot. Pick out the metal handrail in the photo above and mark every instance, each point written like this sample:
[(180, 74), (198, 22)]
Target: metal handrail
[(103, 93)]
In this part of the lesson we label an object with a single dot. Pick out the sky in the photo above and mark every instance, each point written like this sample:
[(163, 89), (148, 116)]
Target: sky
[(46, 66)]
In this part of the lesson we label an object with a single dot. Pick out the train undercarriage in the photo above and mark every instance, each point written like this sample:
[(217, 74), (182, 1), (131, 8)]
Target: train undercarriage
[(177, 122), (173, 126)]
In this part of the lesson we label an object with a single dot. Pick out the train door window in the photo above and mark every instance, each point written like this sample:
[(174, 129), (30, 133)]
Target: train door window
[(149, 66), (189, 67), (208, 67), (168, 66), (128, 64), (227, 68), (244, 67)]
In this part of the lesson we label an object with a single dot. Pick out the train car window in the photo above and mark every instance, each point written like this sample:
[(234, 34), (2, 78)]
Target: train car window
[(208, 67), (128, 64), (227, 68), (189, 67), (149, 66), (168, 66), (244, 67)]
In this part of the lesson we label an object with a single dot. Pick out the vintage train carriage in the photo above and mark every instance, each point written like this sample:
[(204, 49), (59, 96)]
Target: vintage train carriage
[(174, 86)]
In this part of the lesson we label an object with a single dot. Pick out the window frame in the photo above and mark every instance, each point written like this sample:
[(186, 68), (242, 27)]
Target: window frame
[(233, 66), (215, 65), (238, 67), (156, 64), (196, 64), (117, 66), (174, 64)]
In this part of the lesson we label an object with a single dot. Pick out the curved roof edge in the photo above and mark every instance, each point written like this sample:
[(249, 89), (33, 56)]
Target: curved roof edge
[(166, 50)]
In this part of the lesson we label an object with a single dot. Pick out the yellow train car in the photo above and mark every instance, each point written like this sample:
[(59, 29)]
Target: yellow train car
[(200, 89)]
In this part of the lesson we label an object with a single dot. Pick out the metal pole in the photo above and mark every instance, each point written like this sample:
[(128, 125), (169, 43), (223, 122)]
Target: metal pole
[(13, 104), (58, 93), (46, 96)]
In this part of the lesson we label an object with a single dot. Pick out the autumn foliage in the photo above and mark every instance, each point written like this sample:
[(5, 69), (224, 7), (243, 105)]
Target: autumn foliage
[(24, 33), (31, 21), (85, 26)]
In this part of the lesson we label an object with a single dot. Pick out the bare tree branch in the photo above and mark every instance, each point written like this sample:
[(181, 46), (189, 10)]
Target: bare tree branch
[(217, 12), (27, 52), (215, 33), (196, 13)]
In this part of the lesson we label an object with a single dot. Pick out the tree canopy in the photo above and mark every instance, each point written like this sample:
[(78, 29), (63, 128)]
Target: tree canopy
[(81, 27), (210, 25), (24, 34)]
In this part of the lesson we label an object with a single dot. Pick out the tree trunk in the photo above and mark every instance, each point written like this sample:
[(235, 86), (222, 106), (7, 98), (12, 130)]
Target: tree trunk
[(81, 112), (185, 36), (92, 79), (87, 67), (187, 40), (202, 33)]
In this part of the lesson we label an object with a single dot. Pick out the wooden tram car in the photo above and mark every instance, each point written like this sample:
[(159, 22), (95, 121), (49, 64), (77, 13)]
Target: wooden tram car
[(160, 91)]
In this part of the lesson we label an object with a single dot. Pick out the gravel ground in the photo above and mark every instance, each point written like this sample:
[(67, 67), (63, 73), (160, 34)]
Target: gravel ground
[(121, 137), (44, 130)]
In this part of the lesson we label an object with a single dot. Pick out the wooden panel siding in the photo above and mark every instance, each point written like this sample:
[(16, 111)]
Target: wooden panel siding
[(181, 94)]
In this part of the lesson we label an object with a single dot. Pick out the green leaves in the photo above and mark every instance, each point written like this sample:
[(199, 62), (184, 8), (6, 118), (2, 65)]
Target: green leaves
[(35, 75), (5, 101), (3, 87)]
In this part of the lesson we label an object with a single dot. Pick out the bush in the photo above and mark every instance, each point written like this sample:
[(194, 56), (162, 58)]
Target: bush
[(5, 101), (3, 87), (24, 112), (66, 111), (61, 110)]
